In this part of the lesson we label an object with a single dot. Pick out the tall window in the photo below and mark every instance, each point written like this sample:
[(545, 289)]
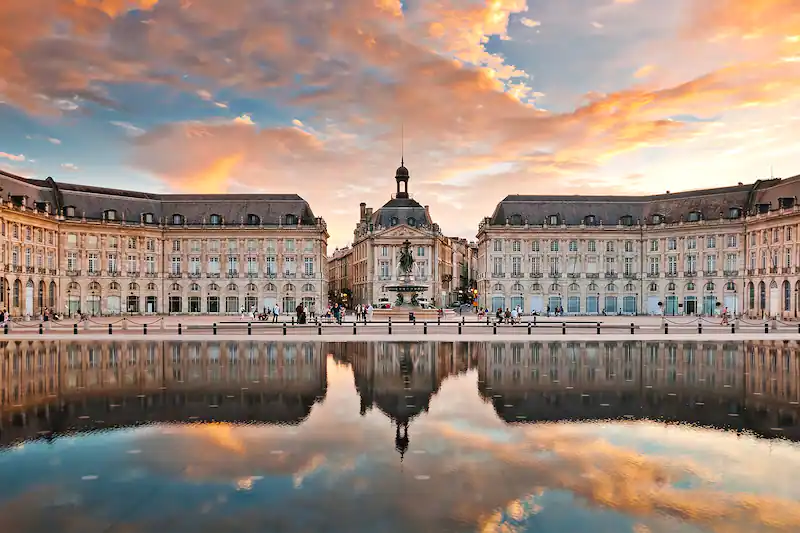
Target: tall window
[(308, 266), (176, 265)]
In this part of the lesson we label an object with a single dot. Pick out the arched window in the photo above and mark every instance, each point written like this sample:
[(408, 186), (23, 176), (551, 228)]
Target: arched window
[(270, 287), (213, 287), (40, 295), (709, 286), (251, 288), (762, 296), (232, 287), (654, 287), (671, 286), (288, 287), (16, 293), (555, 287), (592, 287), (253, 220), (133, 287), (113, 286), (175, 287), (194, 287), (787, 296), (94, 286), (574, 287), (151, 286), (590, 220), (751, 290), (394, 221), (498, 287), (411, 221), (308, 287), (148, 218), (177, 220), (51, 297), (611, 288), (215, 220), (630, 287), (536, 287), (690, 286), (73, 286)]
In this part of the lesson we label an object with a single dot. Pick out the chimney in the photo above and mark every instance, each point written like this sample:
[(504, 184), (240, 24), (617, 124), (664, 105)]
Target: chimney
[(363, 207), (428, 211)]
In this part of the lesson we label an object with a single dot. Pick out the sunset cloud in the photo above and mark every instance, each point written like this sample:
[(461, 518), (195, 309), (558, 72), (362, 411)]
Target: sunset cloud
[(479, 115)]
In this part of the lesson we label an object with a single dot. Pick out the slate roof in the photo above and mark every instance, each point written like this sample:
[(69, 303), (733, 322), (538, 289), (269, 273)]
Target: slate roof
[(92, 202), (673, 207), (402, 209)]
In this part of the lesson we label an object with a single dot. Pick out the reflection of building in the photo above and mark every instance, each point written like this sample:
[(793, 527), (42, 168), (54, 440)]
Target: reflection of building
[(71, 247), (52, 386), (736, 246), (755, 386), (372, 263)]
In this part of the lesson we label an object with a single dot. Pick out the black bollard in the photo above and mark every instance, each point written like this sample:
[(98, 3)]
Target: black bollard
[(529, 328), (354, 328), (293, 320), (534, 320), (284, 328), (487, 320), (390, 325), (75, 329), (5, 329), (699, 327), (319, 328), (425, 328), (249, 328), (214, 328), (438, 321), (632, 328), (495, 328), (144, 329), (666, 328), (459, 328), (766, 328), (598, 328), (563, 328), (109, 329), (463, 319), (733, 328), (41, 329), (180, 328)]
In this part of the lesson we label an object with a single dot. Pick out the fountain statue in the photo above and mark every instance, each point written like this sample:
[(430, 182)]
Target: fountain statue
[(406, 290)]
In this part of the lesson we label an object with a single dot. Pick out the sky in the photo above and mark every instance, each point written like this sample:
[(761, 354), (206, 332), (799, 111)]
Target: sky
[(493, 97)]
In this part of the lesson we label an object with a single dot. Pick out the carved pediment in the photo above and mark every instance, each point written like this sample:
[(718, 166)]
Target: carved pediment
[(402, 231)]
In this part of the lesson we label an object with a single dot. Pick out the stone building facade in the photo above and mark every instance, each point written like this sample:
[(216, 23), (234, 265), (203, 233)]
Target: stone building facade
[(372, 261), (687, 253), (104, 251)]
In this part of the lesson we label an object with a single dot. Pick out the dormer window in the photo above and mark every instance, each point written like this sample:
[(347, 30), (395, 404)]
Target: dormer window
[(658, 219), (785, 203), (394, 221), (553, 220), (177, 220), (590, 220), (290, 220), (411, 221), (69, 211), (516, 219), (763, 209), (626, 220), (148, 218), (695, 216), (253, 220), (215, 220), (110, 215), (734, 212)]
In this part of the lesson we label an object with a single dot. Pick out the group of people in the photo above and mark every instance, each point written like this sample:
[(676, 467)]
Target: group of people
[(510, 316), (363, 312)]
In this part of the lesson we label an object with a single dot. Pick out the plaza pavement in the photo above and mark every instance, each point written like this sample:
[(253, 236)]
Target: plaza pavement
[(572, 328)]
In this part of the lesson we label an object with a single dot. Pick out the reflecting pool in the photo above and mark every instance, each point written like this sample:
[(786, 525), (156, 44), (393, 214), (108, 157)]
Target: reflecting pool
[(607, 437)]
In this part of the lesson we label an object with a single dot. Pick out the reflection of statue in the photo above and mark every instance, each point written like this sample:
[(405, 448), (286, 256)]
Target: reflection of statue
[(406, 259)]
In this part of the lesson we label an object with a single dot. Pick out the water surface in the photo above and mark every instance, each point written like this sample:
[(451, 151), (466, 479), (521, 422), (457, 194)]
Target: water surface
[(399, 437)]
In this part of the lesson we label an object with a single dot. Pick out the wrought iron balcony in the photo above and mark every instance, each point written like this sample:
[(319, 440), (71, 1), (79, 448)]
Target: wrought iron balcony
[(573, 275), (213, 275), (593, 275), (690, 274), (731, 273), (710, 273), (537, 275)]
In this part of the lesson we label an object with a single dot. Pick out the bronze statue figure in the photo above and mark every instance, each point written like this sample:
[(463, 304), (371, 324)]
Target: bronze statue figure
[(406, 259)]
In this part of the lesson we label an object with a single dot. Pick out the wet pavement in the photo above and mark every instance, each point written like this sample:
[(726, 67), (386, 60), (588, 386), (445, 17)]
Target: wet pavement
[(238, 435)]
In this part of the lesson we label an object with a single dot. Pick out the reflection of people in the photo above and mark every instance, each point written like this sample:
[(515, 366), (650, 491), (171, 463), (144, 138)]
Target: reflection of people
[(401, 440)]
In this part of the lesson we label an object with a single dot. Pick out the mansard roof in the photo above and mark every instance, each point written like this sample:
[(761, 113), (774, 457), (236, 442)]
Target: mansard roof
[(670, 207), (92, 202)]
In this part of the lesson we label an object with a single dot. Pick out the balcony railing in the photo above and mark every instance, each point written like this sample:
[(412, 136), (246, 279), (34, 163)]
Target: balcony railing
[(537, 275), (671, 274), (653, 275), (593, 275), (194, 275), (113, 273), (73, 273), (270, 275), (151, 274), (555, 275), (690, 274), (232, 274), (630, 275), (290, 274), (786, 270), (517, 275), (213, 275), (93, 273), (175, 275), (710, 273), (30, 270), (307, 275), (573, 275), (773, 270), (730, 273)]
